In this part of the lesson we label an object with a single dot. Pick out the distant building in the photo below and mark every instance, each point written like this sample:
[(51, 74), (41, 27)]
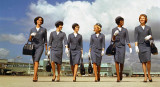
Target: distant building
[(14, 68)]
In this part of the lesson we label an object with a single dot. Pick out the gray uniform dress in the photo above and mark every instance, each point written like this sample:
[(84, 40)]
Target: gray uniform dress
[(96, 45), (120, 40), (56, 44), (144, 46), (76, 45), (38, 41)]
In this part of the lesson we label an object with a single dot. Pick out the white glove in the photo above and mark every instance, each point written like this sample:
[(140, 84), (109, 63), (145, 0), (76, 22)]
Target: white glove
[(66, 51), (137, 49), (68, 55), (82, 55), (116, 32), (33, 34), (102, 53), (130, 50), (48, 52), (89, 54), (148, 37)]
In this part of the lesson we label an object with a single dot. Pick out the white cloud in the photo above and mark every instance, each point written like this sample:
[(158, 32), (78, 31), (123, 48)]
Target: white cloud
[(13, 38), (103, 11), (87, 14), (4, 52)]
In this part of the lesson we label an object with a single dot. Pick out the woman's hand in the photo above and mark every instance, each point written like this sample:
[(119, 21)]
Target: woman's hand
[(148, 37), (116, 33), (102, 53), (33, 34), (136, 47), (82, 53), (130, 48), (89, 53)]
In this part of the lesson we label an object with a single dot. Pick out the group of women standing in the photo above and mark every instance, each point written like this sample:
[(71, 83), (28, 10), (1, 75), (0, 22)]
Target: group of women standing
[(74, 46)]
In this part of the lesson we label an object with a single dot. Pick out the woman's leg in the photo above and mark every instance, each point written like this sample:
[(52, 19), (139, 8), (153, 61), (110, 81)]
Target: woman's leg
[(95, 71), (53, 69), (59, 70), (35, 70), (75, 71), (144, 70), (117, 71), (149, 69), (99, 69), (121, 70)]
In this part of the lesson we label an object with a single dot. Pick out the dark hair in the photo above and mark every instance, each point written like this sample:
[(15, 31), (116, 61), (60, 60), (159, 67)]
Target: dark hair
[(118, 19), (144, 16), (74, 25), (99, 25), (35, 20), (58, 23)]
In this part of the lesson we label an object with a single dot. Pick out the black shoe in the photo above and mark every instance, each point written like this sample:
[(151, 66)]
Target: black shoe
[(74, 80), (150, 80), (98, 79), (144, 81), (34, 80), (118, 80), (53, 79), (58, 80)]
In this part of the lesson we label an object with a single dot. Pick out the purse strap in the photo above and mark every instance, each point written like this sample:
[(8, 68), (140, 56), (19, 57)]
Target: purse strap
[(81, 60), (89, 59)]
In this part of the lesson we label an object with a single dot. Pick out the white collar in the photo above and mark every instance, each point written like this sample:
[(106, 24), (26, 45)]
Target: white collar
[(143, 27), (37, 29), (120, 28), (97, 34), (57, 32), (75, 34)]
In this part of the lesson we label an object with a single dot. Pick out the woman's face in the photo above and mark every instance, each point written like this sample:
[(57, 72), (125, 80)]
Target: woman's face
[(142, 20), (96, 29), (76, 29), (121, 23), (39, 21), (60, 27)]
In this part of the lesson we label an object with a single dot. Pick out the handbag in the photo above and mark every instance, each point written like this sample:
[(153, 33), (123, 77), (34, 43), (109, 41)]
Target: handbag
[(90, 69), (111, 50), (48, 65), (28, 49), (82, 69), (154, 49)]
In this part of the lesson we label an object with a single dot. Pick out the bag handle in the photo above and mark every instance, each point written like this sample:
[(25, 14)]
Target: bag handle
[(81, 60)]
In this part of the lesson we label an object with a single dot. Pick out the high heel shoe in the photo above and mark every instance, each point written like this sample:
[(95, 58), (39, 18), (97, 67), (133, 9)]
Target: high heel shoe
[(99, 79), (34, 80), (54, 79), (145, 80), (96, 80), (74, 80), (118, 80), (150, 80), (58, 80)]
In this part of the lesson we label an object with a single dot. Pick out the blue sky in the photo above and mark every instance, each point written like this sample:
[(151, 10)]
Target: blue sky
[(16, 20), (11, 14)]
